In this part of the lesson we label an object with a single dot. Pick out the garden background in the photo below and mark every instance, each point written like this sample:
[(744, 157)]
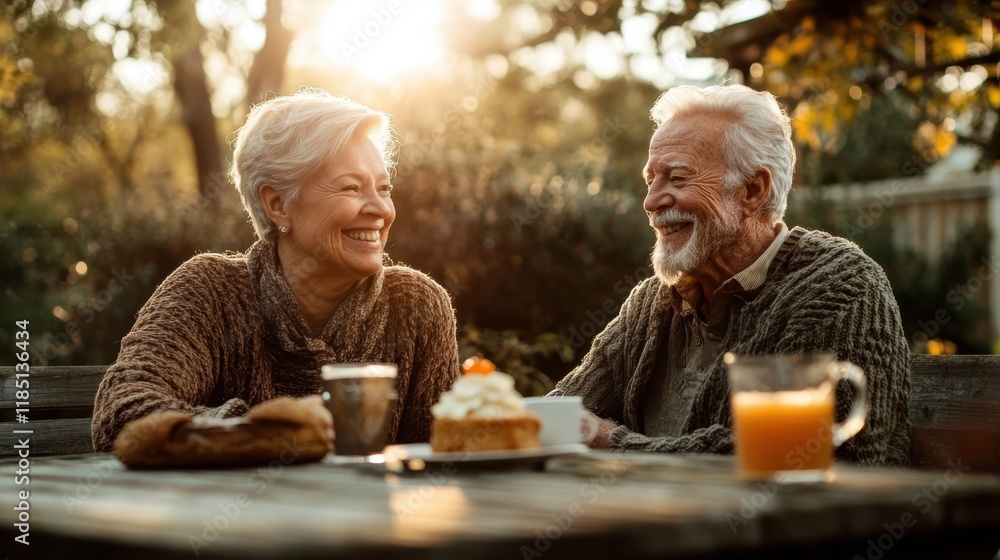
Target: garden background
[(523, 128)]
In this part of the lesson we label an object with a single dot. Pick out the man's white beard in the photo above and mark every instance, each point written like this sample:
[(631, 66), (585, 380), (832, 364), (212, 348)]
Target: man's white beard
[(707, 238)]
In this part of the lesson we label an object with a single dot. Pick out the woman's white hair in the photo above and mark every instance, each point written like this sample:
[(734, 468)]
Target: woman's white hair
[(759, 134), (287, 140)]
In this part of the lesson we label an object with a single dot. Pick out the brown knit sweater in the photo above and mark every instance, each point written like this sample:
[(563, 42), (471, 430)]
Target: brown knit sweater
[(223, 333), (822, 294)]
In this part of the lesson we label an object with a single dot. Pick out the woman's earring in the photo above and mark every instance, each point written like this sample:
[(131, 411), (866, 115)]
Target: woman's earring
[(283, 230)]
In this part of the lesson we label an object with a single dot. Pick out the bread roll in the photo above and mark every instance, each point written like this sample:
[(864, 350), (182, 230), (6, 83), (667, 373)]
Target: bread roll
[(284, 430)]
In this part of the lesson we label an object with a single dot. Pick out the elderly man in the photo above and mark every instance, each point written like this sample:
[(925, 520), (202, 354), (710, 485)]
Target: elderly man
[(731, 277)]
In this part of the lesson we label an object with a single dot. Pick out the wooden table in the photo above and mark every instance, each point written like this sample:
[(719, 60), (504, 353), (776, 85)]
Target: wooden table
[(595, 505)]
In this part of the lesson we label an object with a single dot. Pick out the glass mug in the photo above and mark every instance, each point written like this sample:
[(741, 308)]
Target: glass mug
[(361, 398), (783, 413)]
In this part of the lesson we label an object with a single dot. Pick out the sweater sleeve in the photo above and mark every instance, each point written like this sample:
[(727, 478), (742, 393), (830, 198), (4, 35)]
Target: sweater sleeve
[(169, 360), (713, 439), (435, 357)]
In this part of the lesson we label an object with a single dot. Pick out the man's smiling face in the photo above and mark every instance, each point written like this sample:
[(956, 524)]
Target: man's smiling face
[(688, 207)]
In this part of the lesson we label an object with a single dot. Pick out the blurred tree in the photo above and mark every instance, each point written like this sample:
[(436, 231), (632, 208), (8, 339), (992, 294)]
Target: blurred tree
[(97, 205), (831, 59), (877, 143), (190, 82), (935, 59), (269, 63)]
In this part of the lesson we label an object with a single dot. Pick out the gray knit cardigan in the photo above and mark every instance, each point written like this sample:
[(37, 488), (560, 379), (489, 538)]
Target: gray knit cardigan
[(223, 333), (822, 294)]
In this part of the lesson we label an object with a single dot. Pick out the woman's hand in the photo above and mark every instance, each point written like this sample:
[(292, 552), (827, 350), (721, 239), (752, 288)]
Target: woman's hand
[(604, 429), (317, 408), (308, 410)]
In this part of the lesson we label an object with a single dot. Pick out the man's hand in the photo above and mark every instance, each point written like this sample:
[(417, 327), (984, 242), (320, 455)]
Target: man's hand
[(604, 429)]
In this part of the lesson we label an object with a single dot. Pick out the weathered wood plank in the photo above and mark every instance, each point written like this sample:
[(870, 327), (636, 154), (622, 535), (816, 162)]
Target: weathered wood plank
[(955, 411), (956, 391), (65, 391), (49, 437), (54, 387), (940, 447), (925, 363)]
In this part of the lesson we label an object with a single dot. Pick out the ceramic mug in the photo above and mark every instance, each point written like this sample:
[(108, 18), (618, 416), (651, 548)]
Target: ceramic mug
[(564, 420)]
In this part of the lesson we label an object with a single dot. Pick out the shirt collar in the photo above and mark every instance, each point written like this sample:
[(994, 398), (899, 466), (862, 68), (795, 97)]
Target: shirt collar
[(753, 276)]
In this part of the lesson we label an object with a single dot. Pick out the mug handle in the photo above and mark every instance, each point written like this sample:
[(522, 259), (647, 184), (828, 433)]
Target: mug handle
[(843, 431), (591, 427)]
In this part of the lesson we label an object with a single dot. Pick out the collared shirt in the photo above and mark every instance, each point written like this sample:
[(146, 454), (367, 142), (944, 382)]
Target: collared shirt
[(677, 379), (753, 276)]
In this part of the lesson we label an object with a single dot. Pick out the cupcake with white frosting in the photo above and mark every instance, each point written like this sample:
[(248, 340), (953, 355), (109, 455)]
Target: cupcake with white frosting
[(482, 412)]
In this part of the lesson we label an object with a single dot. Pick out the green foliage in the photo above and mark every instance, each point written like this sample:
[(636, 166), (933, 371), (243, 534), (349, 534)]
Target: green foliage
[(93, 273), (874, 145)]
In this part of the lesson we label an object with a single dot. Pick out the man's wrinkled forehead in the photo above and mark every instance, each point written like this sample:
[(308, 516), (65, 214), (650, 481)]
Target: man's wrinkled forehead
[(663, 137), (665, 166)]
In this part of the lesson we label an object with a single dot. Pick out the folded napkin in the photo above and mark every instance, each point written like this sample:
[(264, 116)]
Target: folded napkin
[(283, 429)]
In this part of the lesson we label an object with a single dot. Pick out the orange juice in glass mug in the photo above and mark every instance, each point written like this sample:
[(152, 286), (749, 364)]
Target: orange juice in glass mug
[(783, 413)]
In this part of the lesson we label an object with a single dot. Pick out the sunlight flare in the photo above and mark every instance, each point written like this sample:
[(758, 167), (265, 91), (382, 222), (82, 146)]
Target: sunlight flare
[(382, 40)]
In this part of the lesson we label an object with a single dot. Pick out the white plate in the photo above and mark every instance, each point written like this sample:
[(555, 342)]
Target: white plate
[(411, 453)]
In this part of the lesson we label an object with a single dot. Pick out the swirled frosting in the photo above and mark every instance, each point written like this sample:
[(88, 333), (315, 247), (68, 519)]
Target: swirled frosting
[(480, 396)]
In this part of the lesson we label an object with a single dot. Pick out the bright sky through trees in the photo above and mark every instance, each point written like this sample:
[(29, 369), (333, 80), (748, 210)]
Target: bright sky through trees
[(404, 39)]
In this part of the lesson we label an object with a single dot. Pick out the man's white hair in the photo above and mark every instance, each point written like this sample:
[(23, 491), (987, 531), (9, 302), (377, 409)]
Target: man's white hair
[(287, 141), (759, 134)]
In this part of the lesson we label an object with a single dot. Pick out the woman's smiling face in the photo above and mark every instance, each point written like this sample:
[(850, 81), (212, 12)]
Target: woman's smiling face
[(341, 219)]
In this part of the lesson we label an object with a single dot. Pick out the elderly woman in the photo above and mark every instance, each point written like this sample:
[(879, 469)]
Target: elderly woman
[(226, 332)]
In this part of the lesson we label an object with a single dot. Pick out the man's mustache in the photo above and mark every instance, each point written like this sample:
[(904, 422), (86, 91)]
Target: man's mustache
[(664, 218)]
